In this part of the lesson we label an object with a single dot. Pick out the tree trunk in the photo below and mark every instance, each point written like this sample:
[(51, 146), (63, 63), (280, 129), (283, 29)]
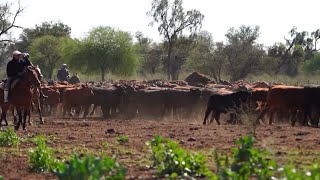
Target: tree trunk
[(169, 61), (50, 73), (103, 71)]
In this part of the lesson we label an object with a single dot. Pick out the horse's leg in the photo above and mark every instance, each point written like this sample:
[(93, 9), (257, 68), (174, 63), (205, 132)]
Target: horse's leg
[(26, 112), (17, 126), (15, 119), (40, 112)]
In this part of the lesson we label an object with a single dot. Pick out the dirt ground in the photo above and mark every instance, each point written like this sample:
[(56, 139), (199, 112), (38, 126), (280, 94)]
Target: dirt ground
[(300, 145)]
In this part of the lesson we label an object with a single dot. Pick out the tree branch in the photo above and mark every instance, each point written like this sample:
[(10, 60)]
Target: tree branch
[(12, 25)]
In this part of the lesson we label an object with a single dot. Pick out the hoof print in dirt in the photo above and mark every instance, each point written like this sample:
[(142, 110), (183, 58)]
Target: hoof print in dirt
[(192, 139), (110, 131), (194, 129), (171, 135), (301, 133)]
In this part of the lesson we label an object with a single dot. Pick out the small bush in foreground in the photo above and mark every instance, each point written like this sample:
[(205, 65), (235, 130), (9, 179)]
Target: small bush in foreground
[(9, 138), (173, 161), (290, 172), (1, 178), (122, 139), (42, 158), (90, 167), (246, 162)]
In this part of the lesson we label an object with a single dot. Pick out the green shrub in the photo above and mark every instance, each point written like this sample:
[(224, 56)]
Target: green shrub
[(247, 162), (90, 167), (290, 172), (42, 158), (122, 139), (173, 161), (1, 178), (9, 138)]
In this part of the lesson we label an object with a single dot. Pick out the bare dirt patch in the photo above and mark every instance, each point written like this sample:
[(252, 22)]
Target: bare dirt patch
[(298, 144)]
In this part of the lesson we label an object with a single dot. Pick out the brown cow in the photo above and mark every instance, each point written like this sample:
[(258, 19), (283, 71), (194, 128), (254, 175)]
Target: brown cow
[(77, 98), (51, 103), (283, 98)]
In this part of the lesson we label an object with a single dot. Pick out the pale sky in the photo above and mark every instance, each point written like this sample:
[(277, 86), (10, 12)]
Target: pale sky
[(275, 17)]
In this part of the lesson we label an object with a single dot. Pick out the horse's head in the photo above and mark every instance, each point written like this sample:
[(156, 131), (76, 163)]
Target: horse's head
[(38, 71), (31, 76)]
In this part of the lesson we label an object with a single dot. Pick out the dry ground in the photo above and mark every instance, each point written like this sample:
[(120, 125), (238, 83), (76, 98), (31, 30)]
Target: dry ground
[(298, 144)]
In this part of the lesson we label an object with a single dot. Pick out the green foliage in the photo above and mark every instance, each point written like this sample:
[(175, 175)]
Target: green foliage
[(173, 161), (52, 28), (207, 56), (106, 50), (242, 52), (46, 52), (42, 158), (246, 162), (90, 167), (9, 138), (122, 139), (312, 66), (1, 178)]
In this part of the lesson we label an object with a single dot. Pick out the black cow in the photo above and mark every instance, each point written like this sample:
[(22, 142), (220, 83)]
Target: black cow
[(151, 103), (312, 104), (109, 99), (182, 103), (222, 103)]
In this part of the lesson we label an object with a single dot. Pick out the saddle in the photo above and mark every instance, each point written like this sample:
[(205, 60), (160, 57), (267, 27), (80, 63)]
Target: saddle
[(13, 84)]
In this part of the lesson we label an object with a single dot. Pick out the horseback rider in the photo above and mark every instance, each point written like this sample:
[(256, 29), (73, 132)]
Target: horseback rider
[(63, 73), (14, 71), (26, 62)]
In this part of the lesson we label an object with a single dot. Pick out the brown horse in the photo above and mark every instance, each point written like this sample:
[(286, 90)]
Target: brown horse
[(20, 97)]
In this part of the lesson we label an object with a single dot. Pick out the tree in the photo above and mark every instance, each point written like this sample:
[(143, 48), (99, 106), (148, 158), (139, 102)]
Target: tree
[(293, 53), (53, 28), (180, 53), (207, 56), (312, 66), (173, 20), (46, 52), (8, 18), (243, 53), (149, 53), (106, 50)]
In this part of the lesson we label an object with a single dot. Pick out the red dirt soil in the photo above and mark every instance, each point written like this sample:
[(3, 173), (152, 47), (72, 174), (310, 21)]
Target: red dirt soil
[(90, 136)]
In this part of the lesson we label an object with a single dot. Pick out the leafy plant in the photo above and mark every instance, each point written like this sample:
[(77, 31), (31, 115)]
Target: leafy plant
[(247, 162), (1, 178), (171, 160), (122, 139), (90, 167), (42, 158), (9, 138)]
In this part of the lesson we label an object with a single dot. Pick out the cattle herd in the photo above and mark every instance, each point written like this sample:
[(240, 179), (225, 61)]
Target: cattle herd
[(183, 100)]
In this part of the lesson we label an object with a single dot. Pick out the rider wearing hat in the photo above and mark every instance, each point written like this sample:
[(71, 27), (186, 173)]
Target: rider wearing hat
[(14, 71), (63, 73), (26, 62)]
